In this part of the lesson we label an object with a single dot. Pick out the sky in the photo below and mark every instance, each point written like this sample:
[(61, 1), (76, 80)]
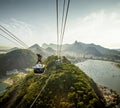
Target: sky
[(89, 21)]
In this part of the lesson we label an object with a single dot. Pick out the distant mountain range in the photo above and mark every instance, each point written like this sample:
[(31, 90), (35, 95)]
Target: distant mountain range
[(7, 49), (45, 52), (118, 49), (20, 58), (79, 49)]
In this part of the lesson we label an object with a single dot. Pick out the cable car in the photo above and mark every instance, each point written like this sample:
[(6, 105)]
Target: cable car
[(39, 68)]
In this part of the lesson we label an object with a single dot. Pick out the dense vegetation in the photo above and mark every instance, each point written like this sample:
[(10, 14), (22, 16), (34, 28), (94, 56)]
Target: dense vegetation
[(17, 59), (63, 85)]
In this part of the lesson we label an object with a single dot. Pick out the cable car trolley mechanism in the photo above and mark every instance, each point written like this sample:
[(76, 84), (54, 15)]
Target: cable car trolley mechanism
[(39, 68)]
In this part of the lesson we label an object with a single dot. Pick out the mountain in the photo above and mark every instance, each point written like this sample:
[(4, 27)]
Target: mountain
[(45, 52), (37, 49), (17, 59), (92, 51), (50, 51), (63, 85), (4, 50), (12, 49), (53, 46), (118, 49), (79, 49)]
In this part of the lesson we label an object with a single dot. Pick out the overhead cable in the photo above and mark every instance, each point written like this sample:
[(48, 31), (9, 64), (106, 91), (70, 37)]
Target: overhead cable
[(6, 31)]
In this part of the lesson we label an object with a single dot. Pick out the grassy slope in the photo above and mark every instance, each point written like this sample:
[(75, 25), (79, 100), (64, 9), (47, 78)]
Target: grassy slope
[(68, 87)]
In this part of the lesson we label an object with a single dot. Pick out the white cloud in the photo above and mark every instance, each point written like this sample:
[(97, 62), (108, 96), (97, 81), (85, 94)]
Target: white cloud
[(31, 34), (99, 28), (21, 29)]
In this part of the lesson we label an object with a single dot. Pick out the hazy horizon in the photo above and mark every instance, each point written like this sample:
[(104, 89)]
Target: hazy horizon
[(34, 21), (9, 47)]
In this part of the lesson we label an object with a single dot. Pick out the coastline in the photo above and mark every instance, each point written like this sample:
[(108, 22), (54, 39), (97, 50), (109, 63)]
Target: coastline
[(112, 99)]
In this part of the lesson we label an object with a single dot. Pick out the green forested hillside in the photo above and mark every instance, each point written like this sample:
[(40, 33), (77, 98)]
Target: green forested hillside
[(63, 85), (17, 59)]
